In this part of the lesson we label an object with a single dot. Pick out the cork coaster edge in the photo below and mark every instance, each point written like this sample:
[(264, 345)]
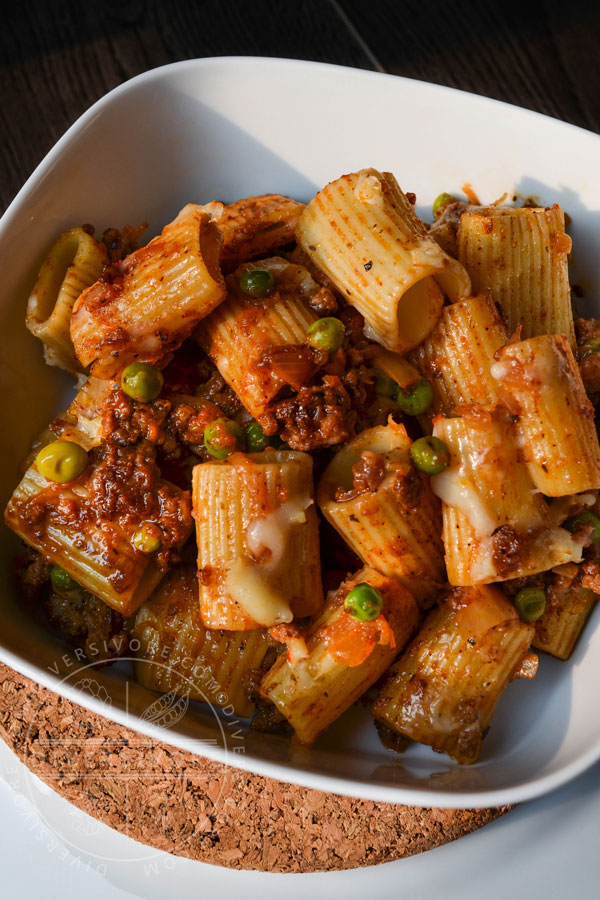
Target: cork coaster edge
[(196, 808)]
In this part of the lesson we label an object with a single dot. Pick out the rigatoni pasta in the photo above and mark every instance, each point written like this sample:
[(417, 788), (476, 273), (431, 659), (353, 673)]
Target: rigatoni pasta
[(543, 385), (443, 690), (253, 514), (258, 343), (496, 525), (363, 233), (144, 307), (82, 420), (97, 548), (385, 510), (74, 262), (458, 355), (557, 630), (177, 654), (254, 226), (520, 257), (343, 657)]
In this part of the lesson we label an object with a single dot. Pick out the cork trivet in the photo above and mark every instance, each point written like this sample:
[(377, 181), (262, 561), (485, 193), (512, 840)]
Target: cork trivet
[(204, 810)]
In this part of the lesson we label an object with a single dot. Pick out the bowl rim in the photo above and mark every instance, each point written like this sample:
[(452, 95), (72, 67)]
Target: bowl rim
[(281, 771)]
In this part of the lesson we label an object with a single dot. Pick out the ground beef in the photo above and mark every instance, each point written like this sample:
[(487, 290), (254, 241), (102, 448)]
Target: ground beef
[(367, 474), (127, 422), (408, 486), (175, 425), (445, 229), (218, 392), (125, 487), (586, 330), (317, 416), (369, 471), (506, 550), (324, 302), (186, 424), (591, 576), (359, 385), (354, 324), (88, 623), (584, 534), (120, 243)]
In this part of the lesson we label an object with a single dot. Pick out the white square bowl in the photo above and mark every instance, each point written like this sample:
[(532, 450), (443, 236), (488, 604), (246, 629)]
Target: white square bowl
[(227, 128)]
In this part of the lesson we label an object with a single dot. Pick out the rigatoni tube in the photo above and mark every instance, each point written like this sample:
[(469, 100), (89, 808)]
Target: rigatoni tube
[(363, 233), (95, 548), (254, 226), (542, 383), (257, 536), (178, 654), (314, 691), (496, 525), (75, 262), (558, 629), (258, 343), (444, 689), (385, 510), (520, 257), (144, 307), (457, 356)]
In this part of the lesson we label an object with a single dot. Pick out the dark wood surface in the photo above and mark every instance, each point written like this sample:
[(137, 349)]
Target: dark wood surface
[(57, 58)]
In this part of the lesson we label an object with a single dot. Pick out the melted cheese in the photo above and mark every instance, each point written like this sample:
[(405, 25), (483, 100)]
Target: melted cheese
[(272, 531), (248, 586), (455, 489), (253, 583), (368, 189), (499, 370)]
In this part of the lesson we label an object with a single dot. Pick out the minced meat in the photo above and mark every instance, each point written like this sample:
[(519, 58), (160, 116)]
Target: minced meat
[(317, 416)]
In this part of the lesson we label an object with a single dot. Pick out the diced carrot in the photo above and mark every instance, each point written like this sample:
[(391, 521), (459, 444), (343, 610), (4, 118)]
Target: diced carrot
[(351, 642)]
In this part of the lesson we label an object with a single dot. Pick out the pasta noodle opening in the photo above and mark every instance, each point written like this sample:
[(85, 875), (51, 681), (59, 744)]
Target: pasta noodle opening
[(416, 309)]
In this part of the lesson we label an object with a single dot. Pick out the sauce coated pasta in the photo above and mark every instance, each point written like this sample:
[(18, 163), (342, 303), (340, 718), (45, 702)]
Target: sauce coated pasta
[(320, 451)]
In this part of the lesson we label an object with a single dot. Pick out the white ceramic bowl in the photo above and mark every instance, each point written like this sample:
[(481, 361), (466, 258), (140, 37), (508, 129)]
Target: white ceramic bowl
[(223, 129)]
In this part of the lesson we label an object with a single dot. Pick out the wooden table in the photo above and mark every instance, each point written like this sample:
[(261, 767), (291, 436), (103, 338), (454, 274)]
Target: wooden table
[(58, 57)]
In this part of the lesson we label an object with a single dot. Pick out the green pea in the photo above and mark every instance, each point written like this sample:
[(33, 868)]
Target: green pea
[(61, 581), (440, 201), (257, 282), (256, 439), (583, 518), (530, 603), (142, 382), (147, 538), (363, 602), (417, 400), (591, 346), (223, 437), (429, 455), (384, 385), (326, 334), (61, 461)]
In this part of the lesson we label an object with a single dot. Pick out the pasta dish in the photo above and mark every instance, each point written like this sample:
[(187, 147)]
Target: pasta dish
[(317, 453)]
